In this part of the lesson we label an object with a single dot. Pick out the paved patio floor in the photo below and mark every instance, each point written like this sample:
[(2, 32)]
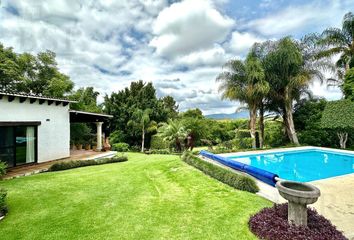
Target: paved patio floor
[(41, 167)]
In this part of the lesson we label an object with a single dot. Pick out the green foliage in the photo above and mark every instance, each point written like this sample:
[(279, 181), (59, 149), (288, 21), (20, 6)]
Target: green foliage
[(243, 133), (157, 142), (307, 119), (348, 84), (274, 135), (117, 136), (3, 167), (27, 73), (159, 151), (226, 176), (123, 105), (120, 147), (83, 163), (3, 207), (80, 133), (192, 113), (86, 100), (338, 115), (339, 41), (170, 106), (243, 143), (174, 131)]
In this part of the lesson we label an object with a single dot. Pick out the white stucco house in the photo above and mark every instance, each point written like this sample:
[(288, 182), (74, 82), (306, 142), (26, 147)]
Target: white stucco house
[(35, 129)]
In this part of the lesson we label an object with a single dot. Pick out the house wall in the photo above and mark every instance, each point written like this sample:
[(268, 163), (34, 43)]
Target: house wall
[(53, 135)]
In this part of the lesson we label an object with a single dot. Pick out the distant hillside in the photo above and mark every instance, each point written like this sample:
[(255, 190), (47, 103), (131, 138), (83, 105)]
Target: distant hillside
[(243, 114)]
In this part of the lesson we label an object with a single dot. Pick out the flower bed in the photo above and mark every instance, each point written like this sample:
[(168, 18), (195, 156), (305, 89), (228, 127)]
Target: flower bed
[(272, 224)]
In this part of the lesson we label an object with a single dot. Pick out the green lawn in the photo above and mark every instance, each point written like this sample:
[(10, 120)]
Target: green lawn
[(148, 197)]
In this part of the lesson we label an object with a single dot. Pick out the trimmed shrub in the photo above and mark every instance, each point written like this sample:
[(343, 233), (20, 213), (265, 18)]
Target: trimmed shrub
[(226, 176), (3, 167), (272, 223), (120, 147), (243, 143), (157, 142), (3, 207), (83, 163), (159, 151)]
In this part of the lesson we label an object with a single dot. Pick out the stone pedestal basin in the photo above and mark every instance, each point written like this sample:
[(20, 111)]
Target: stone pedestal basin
[(298, 195)]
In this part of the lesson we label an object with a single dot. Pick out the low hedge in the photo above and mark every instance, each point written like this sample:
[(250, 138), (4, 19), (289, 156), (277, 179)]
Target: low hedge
[(3, 207), (83, 163), (226, 176), (120, 147)]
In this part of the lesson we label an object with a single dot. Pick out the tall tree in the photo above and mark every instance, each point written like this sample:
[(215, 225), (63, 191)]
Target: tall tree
[(289, 71), (170, 106), (86, 100), (339, 41), (245, 81), (27, 73), (141, 119)]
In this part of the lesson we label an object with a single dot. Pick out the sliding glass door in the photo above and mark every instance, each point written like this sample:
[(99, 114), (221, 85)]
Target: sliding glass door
[(18, 145)]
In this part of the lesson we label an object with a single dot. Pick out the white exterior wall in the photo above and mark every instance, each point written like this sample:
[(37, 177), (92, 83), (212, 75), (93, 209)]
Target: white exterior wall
[(53, 135)]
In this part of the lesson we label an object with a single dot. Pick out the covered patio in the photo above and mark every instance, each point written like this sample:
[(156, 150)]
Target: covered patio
[(87, 117)]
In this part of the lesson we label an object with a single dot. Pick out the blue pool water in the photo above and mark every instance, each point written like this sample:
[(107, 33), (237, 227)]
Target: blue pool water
[(301, 165)]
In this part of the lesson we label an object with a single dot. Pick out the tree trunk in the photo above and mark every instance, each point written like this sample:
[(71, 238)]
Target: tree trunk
[(143, 139), (253, 120), (343, 137), (289, 119), (261, 125)]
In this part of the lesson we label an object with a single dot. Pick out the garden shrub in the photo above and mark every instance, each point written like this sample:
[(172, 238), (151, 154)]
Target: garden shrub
[(120, 147), (226, 176), (243, 143), (157, 142), (3, 167), (3, 207), (83, 163), (272, 223), (116, 137), (158, 151)]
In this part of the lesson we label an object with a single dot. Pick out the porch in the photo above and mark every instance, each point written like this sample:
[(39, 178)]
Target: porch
[(26, 170)]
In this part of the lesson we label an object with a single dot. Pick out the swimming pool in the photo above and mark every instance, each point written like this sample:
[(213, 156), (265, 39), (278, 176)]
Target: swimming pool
[(301, 165)]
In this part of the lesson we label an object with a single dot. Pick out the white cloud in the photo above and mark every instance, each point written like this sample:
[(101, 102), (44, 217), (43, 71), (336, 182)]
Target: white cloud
[(240, 43), (293, 19), (188, 26), (210, 57)]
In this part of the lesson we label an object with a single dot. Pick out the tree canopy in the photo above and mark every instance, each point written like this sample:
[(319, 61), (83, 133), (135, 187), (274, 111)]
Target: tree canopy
[(338, 115), (34, 74)]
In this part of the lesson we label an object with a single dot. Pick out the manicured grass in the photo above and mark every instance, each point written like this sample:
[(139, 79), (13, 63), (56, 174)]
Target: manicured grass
[(148, 197)]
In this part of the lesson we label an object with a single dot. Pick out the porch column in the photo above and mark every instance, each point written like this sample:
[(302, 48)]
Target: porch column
[(99, 136)]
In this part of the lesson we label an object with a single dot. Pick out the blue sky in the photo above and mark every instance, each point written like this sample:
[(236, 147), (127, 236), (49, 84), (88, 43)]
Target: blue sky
[(180, 46)]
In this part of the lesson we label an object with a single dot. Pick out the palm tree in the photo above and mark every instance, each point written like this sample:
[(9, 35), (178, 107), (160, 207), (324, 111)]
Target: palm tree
[(339, 41), (244, 81), (173, 131), (289, 68), (141, 120)]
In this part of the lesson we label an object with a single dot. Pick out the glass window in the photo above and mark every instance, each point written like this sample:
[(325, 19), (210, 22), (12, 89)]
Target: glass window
[(7, 152), (25, 145)]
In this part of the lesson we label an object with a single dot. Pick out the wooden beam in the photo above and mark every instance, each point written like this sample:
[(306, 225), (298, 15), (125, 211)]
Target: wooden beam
[(50, 102), (11, 98), (29, 123), (57, 103), (22, 99), (41, 101), (32, 100), (65, 103), (1, 97)]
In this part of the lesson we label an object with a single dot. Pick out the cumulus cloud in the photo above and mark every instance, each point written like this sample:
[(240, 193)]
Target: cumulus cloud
[(187, 26), (294, 19), (240, 43), (180, 47)]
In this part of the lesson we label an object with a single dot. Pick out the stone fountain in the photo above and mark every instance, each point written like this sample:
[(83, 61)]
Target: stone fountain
[(299, 195)]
